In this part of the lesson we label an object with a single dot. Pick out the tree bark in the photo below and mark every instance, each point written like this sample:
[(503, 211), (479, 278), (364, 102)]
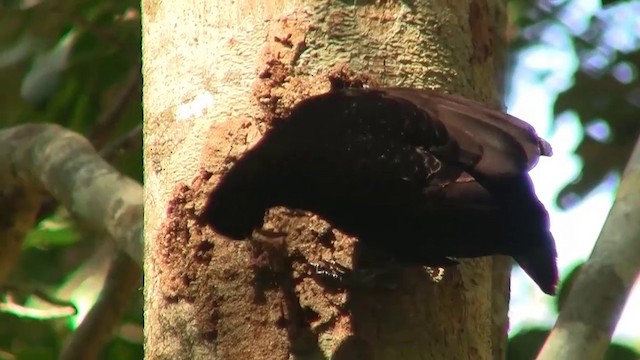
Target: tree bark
[(215, 75)]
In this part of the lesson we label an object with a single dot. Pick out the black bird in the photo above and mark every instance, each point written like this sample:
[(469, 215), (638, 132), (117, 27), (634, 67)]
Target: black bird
[(421, 175)]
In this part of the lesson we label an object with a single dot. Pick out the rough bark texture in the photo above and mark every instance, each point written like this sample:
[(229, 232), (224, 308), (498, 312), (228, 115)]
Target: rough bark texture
[(584, 328), (216, 74)]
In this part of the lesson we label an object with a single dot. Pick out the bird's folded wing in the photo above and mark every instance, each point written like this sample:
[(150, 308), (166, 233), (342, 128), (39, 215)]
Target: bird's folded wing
[(489, 142)]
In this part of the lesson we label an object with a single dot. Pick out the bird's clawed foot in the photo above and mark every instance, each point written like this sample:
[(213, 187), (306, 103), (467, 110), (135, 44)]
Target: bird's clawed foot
[(268, 236), (339, 277)]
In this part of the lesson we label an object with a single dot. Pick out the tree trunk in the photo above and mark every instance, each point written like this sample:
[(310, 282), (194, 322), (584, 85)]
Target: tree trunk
[(215, 75)]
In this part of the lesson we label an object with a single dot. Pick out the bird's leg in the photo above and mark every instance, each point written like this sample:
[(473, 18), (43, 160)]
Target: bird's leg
[(269, 249), (268, 236), (337, 276)]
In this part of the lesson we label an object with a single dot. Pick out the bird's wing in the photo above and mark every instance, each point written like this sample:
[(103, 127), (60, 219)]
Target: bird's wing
[(489, 142)]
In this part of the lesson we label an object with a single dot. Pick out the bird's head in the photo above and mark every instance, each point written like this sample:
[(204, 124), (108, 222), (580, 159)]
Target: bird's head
[(234, 218), (235, 207)]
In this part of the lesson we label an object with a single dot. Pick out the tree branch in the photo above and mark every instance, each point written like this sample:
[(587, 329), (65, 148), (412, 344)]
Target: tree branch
[(584, 328), (47, 156)]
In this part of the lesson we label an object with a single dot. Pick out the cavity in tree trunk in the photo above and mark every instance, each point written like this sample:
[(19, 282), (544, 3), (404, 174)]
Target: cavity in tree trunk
[(215, 75)]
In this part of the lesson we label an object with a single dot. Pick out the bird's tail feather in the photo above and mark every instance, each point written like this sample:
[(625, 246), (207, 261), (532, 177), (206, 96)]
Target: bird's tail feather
[(540, 265)]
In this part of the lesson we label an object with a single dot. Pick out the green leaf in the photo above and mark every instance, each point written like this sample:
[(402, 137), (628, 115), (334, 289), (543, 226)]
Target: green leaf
[(120, 349), (526, 344), (35, 353), (602, 96), (44, 77), (618, 351), (54, 231)]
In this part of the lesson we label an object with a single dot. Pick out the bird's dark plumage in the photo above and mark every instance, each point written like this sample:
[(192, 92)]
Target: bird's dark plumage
[(421, 175)]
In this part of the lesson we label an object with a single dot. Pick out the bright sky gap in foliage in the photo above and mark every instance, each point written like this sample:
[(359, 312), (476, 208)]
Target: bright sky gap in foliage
[(576, 230)]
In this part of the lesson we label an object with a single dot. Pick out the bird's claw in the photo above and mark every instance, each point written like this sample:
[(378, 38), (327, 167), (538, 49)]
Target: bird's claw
[(337, 276)]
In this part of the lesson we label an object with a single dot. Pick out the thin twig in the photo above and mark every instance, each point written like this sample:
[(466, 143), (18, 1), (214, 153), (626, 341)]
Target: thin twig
[(54, 312), (24, 291), (57, 308), (130, 140), (106, 123)]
